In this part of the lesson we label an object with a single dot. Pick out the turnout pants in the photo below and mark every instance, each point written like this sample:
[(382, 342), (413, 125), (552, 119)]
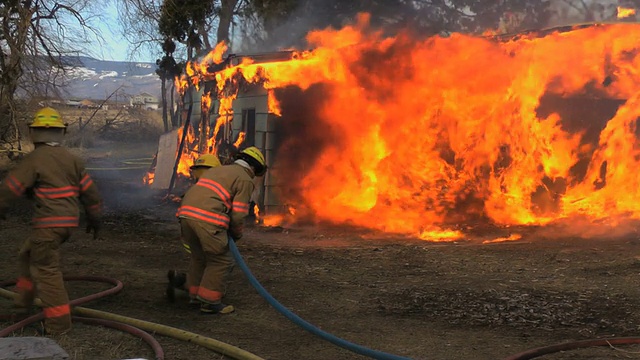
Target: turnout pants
[(39, 273), (210, 262)]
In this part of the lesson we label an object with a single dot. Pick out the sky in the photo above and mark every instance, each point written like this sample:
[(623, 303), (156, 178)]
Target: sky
[(116, 47)]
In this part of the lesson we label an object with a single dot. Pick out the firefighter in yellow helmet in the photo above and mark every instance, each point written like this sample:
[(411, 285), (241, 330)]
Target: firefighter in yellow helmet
[(178, 279), (59, 185), (203, 163), (211, 210)]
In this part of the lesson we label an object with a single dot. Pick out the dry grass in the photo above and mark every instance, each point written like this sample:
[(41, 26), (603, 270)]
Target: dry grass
[(87, 127), (94, 342)]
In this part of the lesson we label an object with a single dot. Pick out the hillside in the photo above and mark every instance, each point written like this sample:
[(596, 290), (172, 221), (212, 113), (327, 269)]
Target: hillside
[(90, 78)]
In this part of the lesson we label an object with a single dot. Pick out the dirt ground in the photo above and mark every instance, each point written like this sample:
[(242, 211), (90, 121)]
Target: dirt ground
[(421, 300)]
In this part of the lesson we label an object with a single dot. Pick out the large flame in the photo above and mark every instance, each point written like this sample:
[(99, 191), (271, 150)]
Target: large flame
[(423, 127), (189, 153)]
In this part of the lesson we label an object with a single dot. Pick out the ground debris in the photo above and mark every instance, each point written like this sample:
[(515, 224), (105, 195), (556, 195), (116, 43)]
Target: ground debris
[(516, 308)]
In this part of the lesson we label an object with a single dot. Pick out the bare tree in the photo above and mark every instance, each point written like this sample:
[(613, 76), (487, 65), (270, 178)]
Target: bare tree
[(571, 11), (139, 25), (35, 38)]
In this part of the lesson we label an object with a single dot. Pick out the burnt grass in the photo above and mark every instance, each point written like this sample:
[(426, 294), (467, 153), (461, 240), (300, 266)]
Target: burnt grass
[(422, 300)]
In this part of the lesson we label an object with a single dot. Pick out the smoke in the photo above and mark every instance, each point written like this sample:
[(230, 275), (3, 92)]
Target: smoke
[(583, 228), (122, 190), (290, 32), (575, 11)]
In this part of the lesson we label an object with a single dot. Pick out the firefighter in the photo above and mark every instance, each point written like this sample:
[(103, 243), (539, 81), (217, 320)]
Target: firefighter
[(211, 210), (177, 279), (204, 162), (58, 183)]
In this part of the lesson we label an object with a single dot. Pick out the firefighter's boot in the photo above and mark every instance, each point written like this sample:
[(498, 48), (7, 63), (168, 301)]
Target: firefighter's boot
[(217, 308)]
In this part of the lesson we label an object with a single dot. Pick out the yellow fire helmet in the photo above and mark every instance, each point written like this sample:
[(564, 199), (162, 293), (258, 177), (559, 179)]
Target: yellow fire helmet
[(255, 153), (254, 157), (206, 160), (48, 118)]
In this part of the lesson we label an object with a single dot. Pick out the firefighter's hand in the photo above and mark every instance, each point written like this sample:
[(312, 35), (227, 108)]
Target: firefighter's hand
[(94, 226), (235, 232)]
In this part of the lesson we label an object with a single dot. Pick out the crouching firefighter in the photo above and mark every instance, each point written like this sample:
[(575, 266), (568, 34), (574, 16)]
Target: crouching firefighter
[(58, 183), (211, 210), (177, 280)]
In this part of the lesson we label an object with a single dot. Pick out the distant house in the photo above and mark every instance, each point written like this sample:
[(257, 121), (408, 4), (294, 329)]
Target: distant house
[(73, 103), (144, 101), (86, 103)]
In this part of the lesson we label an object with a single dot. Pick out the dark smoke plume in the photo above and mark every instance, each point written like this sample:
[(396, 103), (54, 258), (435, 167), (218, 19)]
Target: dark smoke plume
[(301, 136)]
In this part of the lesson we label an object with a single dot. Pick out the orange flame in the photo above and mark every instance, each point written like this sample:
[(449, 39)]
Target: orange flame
[(214, 56), (512, 237), (181, 84), (625, 12), (256, 211), (192, 73), (273, 220), (148, 178), (272, 103), (438, 235), (189, 154), (240, 140)]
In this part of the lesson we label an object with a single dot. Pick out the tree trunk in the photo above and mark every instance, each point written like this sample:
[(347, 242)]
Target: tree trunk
[(15, 31), (226, 16), (175, 122), (165, 120)]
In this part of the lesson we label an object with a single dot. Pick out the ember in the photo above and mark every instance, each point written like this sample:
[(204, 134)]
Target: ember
[(428, 126)]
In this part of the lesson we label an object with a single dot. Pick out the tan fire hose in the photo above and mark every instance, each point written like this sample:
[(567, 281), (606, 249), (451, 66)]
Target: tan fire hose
[(209, 343)]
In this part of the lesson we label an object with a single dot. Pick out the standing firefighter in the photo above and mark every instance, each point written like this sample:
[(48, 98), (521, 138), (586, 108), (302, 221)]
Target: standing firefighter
[(177, 280), (58, 183), (211, 210)]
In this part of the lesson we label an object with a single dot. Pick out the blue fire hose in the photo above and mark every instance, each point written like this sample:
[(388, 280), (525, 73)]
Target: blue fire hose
[(374, 354)]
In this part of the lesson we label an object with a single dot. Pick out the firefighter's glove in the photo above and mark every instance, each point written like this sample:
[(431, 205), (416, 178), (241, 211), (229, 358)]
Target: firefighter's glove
[(94, 226), (236, 232), (236, 237)]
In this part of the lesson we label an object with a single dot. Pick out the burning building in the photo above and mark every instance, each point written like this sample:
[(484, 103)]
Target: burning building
[(417, 136)]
